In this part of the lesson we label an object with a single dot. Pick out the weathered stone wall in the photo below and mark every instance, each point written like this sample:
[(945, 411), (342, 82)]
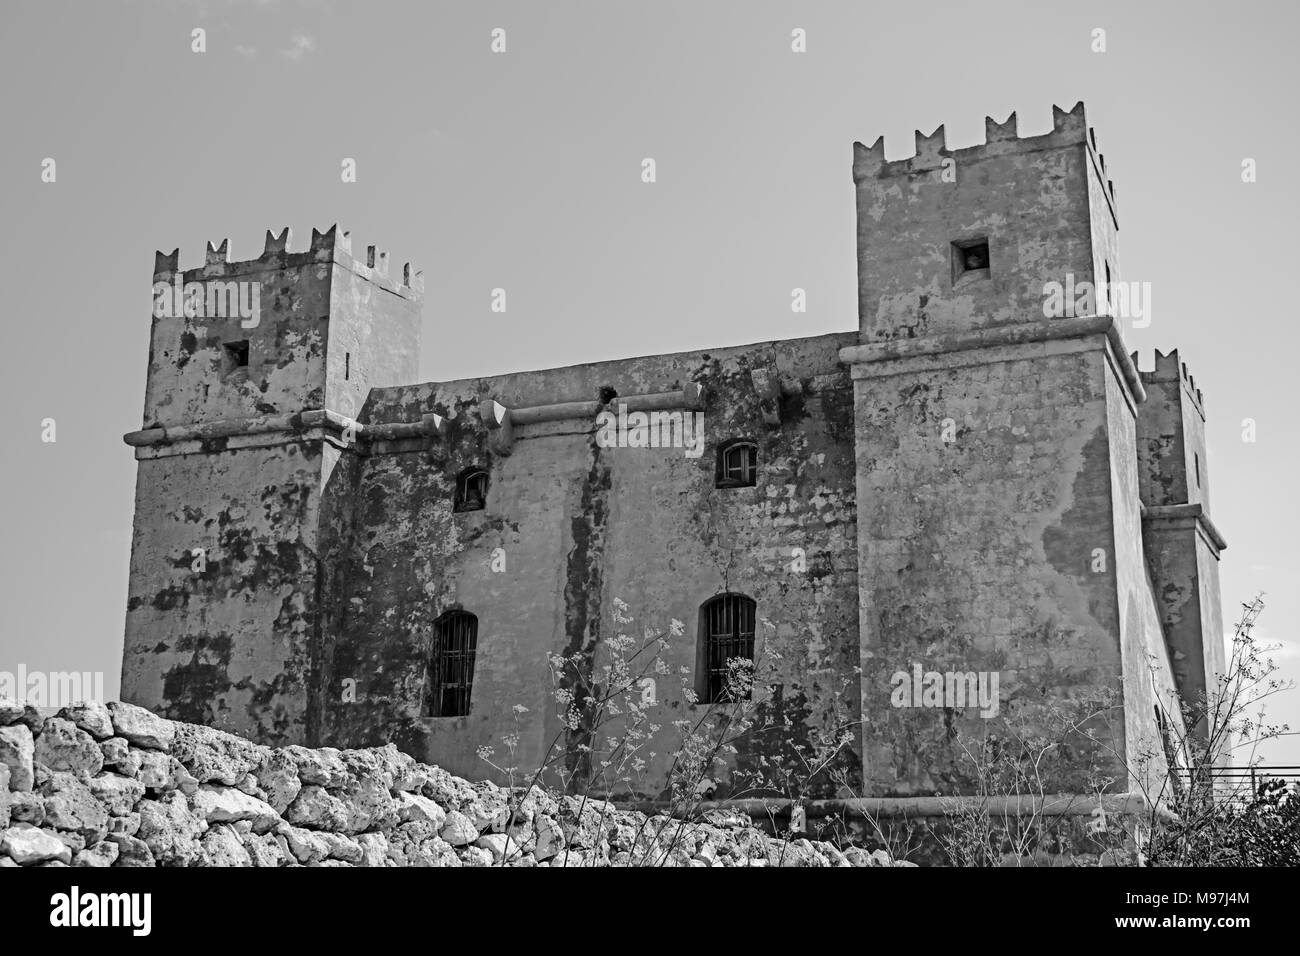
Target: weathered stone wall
[(999, 513), (242, 530), (1149, 679), (1028, 197), (1181, 544), (230, 645), (976, 553), (189, 377), (580, 526), (115, 785)]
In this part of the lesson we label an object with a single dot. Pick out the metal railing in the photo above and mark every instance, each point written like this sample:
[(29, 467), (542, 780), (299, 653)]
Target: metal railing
[(1242, 782)]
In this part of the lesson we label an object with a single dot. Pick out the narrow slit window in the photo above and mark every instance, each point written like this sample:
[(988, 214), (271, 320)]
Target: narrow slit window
[(737, 465), (970, 260), (236, 354), (451, 665), (471, 490)]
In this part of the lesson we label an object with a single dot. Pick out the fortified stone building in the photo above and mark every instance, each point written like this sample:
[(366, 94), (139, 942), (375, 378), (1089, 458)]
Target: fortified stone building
[(329, 552)]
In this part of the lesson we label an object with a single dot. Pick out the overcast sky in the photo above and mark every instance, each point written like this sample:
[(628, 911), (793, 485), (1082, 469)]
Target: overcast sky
[(522, 171)]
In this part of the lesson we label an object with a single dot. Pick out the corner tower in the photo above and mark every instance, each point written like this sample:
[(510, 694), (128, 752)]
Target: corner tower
[(1182, 544), (999, 523), (245, 461)]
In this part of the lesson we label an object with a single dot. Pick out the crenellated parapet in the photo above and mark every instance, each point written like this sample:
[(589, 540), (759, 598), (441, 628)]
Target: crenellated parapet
[(1069, 128), (331, 246), (1168, 368)]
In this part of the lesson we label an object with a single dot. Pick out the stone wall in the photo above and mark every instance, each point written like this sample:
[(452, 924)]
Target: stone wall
[(116, 785), (578, 527)]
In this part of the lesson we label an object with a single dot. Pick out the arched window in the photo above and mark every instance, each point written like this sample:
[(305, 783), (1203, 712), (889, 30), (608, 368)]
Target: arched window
[(451, 665), (726, 640), (471, 489), (737, 465)]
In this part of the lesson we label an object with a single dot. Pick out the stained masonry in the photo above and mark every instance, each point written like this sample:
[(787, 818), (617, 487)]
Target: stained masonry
[(960, 482)]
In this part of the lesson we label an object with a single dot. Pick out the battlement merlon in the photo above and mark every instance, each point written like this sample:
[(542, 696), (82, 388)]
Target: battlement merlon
[(1168, 368), (1069, 128), (331, 246), (1173, 460)]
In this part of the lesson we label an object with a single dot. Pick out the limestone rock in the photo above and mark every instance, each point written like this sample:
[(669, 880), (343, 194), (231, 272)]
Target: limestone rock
[(90, 716), (16, 751), (264, 850), (457, 830), (223, 847), (323, 767), (476, 856), (73, 841), (126, 825), (341, 847), (63, 746), (99, 854), (131, 851), (583, 821), (10, 711), (33, 718), (160, 771), (413, 807), (278, 779), (857, 856), (70, 805), (26, 808), (369, 806), (170, 831), (318, 809), (306, 846), (388, 765), (28, 845), (550, 838), (374, 849), (117, 793), (224, 805), (119, 756), (140, 727), (489, 811), (500, 846), (215, 756), (445, 789)]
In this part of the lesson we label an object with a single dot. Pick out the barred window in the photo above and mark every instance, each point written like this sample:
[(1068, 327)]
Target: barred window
[(737, 465), (471, 489), (727, 635), (451, 665)]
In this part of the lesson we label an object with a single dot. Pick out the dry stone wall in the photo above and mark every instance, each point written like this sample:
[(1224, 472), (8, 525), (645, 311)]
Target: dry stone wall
[(116, 785)]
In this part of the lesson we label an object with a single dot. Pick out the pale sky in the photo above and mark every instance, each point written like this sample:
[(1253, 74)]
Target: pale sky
[(522, 171)]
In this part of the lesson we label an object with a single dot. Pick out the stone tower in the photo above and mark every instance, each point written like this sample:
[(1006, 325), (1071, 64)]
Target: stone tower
[(244, 475), (1181, 542), (1000, 510)]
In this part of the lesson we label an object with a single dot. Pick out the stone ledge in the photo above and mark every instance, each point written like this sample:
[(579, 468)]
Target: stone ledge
[(1191, 515), (1026, 333)]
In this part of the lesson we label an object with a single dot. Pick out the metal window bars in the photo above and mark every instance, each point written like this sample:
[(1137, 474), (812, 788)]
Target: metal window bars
[(728, 634), (451, 666)]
